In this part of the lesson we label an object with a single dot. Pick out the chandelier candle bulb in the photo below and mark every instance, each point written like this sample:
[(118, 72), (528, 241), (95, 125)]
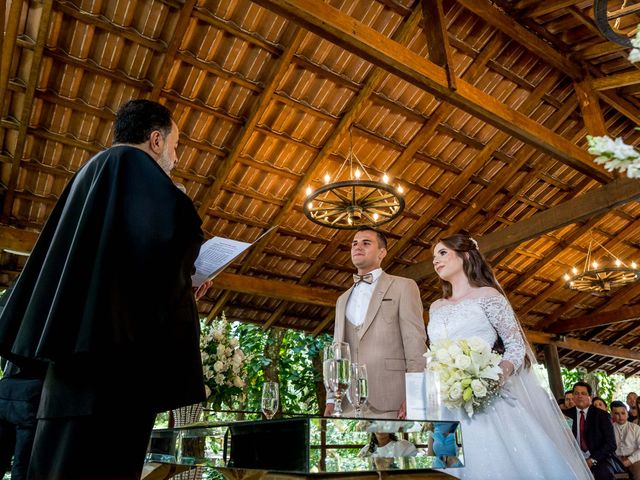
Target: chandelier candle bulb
[(357, 173), (327, 178), (309, 191), (385, 178)]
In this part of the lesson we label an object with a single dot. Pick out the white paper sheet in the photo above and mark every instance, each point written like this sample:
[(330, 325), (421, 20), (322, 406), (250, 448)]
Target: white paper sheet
[(216, 254)]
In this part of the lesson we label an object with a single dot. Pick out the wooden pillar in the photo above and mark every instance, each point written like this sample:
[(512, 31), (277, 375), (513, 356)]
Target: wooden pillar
[(552, 362)]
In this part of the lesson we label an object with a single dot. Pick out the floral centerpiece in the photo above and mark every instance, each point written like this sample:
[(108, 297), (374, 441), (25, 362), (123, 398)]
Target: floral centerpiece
[(468, 371), (223, 362)]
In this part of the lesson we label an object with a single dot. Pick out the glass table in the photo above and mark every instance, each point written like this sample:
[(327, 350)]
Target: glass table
[(313, 447)]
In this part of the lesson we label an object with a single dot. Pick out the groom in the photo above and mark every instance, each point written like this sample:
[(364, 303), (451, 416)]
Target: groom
[(380, 317)]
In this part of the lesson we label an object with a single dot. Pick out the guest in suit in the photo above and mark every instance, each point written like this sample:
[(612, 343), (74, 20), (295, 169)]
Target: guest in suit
[(380, 317), (593, 430)]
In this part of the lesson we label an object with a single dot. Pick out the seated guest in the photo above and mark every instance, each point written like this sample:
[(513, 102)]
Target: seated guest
[(599, 403), (568, 400), (627, 439), (594, 432)]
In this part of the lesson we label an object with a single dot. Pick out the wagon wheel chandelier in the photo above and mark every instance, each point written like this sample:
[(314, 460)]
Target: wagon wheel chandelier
[(597, 278), (602, 17), (354, 199)]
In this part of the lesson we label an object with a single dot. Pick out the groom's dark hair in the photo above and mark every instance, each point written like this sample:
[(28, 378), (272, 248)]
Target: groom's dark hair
[(382, 238)]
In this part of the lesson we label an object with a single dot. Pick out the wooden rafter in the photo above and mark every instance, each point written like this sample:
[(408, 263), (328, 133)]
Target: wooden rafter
[(618, 80), (259, 106), (508, 173), (336, 26), (479, 160), (434, 27), (593, 202), (597, 319), (590, 107), (27, 107), (172, 49), (357, 105), (543, 49), (621, 295), (583, 346)]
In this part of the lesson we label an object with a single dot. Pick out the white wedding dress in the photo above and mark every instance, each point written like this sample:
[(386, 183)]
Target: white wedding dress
[(522, 434)]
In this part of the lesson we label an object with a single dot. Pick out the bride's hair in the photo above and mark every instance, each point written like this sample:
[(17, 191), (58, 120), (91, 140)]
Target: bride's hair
[(479, 274), (475, 267)]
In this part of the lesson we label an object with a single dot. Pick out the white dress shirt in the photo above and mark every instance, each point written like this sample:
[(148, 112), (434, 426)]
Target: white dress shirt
[(628, 440), (359, 299), (586, 454)]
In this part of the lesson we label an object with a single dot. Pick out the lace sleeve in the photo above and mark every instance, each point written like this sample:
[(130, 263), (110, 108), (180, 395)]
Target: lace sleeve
[(502, 318)]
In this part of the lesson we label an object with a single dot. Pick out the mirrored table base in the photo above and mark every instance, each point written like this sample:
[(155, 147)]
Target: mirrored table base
[(318, 447)]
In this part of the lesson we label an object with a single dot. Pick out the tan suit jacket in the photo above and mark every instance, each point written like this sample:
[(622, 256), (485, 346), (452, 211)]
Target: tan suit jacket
[(391, 341)]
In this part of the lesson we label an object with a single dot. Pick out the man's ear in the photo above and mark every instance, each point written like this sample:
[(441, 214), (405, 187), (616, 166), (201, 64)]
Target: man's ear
[(156, 141), (383, 253)]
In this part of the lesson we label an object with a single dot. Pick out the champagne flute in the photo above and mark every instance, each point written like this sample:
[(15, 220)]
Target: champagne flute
[(359, 388), (340, 374), (270, 399)]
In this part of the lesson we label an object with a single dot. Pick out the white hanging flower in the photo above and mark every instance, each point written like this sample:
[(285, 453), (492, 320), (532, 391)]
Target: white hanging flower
[(615, 155)]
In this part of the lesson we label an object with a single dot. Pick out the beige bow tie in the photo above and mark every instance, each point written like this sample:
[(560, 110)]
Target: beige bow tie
[(366, 278)]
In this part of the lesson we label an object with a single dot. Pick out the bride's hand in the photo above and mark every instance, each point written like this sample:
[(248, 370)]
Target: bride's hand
[(507, 370)]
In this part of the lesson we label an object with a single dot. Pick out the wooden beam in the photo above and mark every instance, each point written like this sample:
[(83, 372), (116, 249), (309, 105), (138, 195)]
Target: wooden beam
[(529, 40), (607, 317), (27, 107), (582, 345), (596, 201), (257, 109), (552, 362), (16, 239), (171, 51), (545, 50), (434, 27), (338, 27), (359, 102), (590, 107), (617, 80), (275, 289)]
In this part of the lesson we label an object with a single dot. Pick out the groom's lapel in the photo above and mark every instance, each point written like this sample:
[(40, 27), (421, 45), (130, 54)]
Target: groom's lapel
[(382, 285)]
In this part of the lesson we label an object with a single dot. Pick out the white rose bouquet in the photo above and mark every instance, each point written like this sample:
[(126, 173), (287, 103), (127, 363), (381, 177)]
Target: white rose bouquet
[(468, 370), (223, 362)]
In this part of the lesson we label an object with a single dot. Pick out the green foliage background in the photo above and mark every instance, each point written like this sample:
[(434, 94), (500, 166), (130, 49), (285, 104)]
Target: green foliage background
[(298, 378)]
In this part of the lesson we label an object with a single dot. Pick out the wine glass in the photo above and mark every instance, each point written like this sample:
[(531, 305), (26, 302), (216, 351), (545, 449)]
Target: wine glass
[(337, 370), (270, 399), (359, 387)]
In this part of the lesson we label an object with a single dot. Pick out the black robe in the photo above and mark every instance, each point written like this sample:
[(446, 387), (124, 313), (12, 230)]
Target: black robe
[(107, 288)]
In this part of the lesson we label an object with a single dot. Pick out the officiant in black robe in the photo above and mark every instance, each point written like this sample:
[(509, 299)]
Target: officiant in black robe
[(106, 300)]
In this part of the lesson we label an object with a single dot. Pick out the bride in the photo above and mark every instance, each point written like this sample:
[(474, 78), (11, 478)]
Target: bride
[(521, 434)]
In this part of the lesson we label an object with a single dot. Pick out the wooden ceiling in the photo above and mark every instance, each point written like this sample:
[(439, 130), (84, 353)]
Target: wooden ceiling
[(479, 109)]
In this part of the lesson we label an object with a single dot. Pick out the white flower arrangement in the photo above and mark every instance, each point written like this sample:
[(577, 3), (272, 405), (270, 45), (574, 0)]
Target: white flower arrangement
[(468, 370), (223, 362), (615, 155)]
